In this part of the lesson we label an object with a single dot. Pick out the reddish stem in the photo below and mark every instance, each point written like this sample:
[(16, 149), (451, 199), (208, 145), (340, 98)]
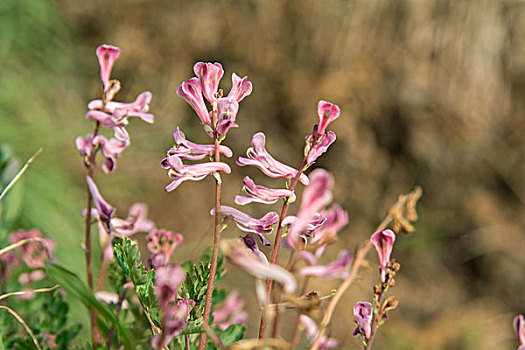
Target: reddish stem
[(215, 253), (277, 243)]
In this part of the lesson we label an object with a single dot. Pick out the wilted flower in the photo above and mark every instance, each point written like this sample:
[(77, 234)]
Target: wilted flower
[(231, 313), (161, 244), (363, 318), (248, 223), (107, 55), (104, 210), (315, 196), (261, 194), (339, 268), (209, 75), (260, 158), (384, 242), (195, 172), (519, 327), (185, 149), (312, 333)]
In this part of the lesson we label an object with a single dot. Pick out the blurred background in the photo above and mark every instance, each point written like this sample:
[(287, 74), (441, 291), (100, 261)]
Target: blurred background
[(431, 93)]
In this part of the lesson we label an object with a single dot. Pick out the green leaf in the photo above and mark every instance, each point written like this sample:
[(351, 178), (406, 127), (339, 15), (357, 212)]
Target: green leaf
[(232, 334), (75, 287)]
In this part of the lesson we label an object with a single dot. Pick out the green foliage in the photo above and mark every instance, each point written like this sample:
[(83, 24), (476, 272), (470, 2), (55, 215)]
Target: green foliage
[(49, 326), (75, 287), (232, 334), (128, 258)]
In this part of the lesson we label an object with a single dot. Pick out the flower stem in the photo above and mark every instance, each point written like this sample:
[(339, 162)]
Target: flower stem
[(89, 266), (277, 244), (375, 322), (216, 239), (360, 256), (121, 299)]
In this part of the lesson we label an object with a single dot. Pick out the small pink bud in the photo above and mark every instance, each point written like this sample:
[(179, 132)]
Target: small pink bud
[(107, 55), (384, 242)]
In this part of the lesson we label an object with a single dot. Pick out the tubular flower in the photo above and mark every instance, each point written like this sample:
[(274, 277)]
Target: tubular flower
[(312, 332), (104, 210), (328, 112), (250, 243), (336, 219), (191, 91), (241, 88), (260, 158), (161, 244), (315, 196), (195, 172), (248, 223), (383, 241), (316, 222), (227, 108), (167, 279), (363, 318), (110, 150), (320, 146), (136, 221), (519, 327), (243, 257), (114, 115), (209, 75), (232, 312), (185, 149), (107, 55), (336, 269), (260, 194)]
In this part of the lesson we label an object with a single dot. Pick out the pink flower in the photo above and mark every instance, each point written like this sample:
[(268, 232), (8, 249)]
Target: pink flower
[(320, 146), (260, 194), (167, 279), (240, 88), (339, 268), (232, 312), (161, 244), (242, 256), (315, 196), (519, 327), (209, 75), (327, 112), (363, 318), (260, 158), (195, 172), (185, 149), (136, 221), (384, 242), (191, 91), (336, 219), (104, 210), (248, 223), (107, 55), (227, 108), (312, 332), (316, 222)]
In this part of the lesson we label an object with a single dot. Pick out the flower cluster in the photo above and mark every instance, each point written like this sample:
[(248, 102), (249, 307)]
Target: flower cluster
[(111, 115)]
